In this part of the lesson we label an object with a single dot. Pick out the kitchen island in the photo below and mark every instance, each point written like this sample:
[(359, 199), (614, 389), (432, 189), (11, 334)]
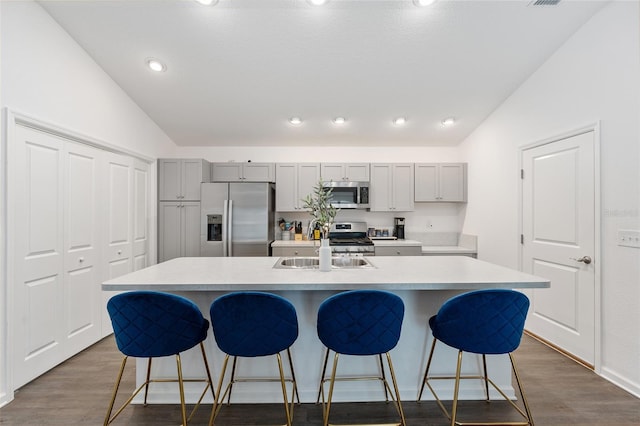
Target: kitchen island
[(423, 283)]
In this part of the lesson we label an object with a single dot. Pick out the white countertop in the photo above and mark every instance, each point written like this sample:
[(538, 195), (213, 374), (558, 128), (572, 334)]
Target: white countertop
[(390, 273)]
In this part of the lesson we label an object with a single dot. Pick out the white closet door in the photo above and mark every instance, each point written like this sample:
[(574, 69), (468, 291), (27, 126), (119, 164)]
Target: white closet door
[(36, 228), (82, 242), (140, 214), (118, 202)]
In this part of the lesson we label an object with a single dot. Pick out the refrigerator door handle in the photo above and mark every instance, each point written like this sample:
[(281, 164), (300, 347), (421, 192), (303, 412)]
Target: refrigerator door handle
[(225, 228), (230, 227)]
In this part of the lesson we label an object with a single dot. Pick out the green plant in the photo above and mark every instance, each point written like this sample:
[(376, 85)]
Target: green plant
[(318, 203)]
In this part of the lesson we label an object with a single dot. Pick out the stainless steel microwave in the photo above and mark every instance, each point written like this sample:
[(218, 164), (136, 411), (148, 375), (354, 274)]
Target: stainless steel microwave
[(349, 195)]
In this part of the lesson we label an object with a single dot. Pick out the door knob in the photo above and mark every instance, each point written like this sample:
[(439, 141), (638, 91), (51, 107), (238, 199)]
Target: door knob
[(584, 259)]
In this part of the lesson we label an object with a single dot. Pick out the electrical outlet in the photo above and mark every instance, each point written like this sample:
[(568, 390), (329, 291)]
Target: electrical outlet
[(628, 238)]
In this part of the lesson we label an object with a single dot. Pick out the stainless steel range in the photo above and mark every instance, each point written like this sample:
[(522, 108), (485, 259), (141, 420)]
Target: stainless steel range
[(350, 238)]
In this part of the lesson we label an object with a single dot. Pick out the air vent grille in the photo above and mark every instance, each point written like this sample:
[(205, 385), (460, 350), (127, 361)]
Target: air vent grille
[(544, 2)]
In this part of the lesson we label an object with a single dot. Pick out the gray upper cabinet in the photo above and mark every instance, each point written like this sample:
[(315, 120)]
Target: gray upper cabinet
[(294, 181), (179, 179), (441, 182), (243, 172), (392, 187), (345, 172)]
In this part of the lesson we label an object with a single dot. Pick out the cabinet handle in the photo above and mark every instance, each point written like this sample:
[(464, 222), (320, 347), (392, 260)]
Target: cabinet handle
[(119, 251), (398, 252), (81, 259)]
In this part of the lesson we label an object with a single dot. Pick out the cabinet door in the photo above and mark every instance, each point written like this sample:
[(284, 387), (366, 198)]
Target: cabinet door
[(426, 185), (453, 182), (258, 172), (357, 172), (381, 189), (308, 178), (190, 225), (192, 177), (169, 230), (403, 183), (226, 172), (332, 172), (399, 251), (286, 187), (169, 178)]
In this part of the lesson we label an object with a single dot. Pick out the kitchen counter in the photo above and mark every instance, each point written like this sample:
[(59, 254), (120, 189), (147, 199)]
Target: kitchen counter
[(424, 283), (257, 273)]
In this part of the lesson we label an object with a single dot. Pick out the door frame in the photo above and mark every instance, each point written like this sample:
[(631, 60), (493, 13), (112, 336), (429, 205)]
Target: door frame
[(10, 119), (595, 128)]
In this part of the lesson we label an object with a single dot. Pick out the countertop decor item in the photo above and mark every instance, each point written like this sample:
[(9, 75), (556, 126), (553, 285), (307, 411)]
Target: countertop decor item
[(319, 205)]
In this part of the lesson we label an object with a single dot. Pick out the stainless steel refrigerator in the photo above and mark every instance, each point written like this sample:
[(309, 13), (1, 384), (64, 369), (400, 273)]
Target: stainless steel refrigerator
[(237, 219)]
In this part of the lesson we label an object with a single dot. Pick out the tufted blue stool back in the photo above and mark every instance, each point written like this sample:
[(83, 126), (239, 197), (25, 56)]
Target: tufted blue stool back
[(361, 322), (152, 324), (482, 322), (252, 324)]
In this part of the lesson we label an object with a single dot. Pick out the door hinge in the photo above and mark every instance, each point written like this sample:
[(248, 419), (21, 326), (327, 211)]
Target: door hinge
[(521, 238), (521, 173)]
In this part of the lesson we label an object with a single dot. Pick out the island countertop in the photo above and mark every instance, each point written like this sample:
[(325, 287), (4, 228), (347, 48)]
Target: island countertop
[(257, 273)]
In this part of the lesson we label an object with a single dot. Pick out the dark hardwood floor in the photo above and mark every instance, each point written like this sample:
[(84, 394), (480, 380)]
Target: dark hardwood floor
[(560, 392)]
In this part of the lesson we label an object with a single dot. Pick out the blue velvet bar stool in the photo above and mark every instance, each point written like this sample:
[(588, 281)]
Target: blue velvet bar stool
[(486, 322), (149, 324), (249, 325), (360, 323)]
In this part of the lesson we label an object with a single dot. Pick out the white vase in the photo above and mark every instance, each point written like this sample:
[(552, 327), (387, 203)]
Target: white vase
[(325, 255)]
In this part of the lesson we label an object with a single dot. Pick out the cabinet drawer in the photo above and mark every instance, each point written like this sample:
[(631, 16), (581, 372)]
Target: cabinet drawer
[(399, 251)]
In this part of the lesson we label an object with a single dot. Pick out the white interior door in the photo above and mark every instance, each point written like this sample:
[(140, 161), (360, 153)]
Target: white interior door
[(36, 234), (83, 218), (140, 214), (558, 196)]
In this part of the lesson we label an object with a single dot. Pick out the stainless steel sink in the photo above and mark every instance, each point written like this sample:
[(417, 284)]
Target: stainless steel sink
[(339, 262)]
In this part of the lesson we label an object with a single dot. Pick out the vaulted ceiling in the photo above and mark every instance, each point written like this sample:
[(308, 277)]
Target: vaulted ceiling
[(238, 70)]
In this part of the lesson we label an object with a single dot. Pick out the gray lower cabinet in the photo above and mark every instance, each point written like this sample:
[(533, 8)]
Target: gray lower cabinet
[(178, 229), (294, 251), (399, 251)]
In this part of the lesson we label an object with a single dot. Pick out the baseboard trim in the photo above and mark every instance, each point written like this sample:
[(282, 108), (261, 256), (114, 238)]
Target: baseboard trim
[(560, 350)]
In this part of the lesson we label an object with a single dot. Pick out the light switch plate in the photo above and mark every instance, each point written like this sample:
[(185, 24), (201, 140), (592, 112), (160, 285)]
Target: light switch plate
[(629, 238)]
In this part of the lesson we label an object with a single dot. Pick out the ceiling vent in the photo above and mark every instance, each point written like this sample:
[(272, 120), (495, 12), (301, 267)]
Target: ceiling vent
[(544, 2)]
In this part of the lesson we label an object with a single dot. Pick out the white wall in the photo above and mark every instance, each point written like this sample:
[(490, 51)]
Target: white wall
[(45, 75), (594, 76)]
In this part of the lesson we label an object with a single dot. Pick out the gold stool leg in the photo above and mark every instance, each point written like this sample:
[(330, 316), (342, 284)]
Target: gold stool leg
[(384, 379), (426, 371), (524, 398), (395, 389), (324, 370), (146, 386), (331, 383), (283, 383), (456, 389), (219, 398), (209, 382), (233, 377), (293, 376), (107, 419), (183, 407), (486, 376)]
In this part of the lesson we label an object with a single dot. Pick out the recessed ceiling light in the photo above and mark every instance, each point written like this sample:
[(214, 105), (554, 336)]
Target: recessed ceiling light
[(339, 120), (423, 3), (296, 121), (207, 2), (399, 121), (317, 2), (156, 65), (449, 121)]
